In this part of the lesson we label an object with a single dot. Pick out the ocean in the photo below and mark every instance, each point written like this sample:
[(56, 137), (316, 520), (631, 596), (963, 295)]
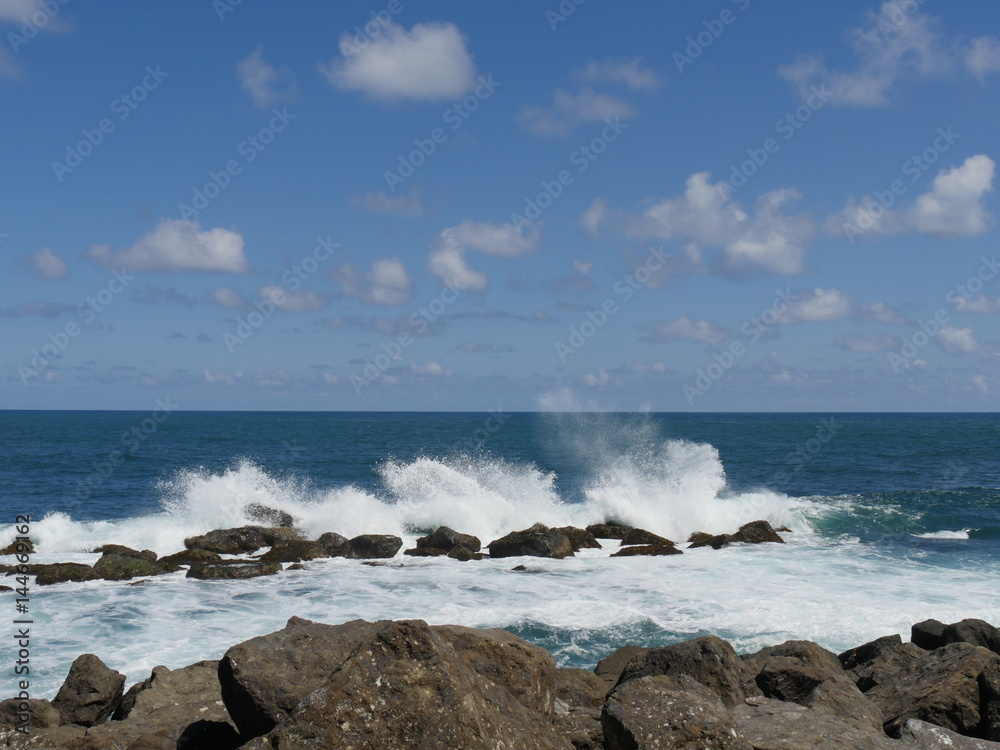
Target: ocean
[(895, 518)]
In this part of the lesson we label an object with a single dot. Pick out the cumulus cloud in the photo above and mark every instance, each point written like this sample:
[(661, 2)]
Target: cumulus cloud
[(386, 284), (957, 340), (401, 205), (265, 84), (287, 300), (569, 110), (882, 313), (982, 56), (447, 258), (766, 238), (978, 304), (428, 63), (687, 328), (45, 264), (629, 73), (177, 245), (817, 306)]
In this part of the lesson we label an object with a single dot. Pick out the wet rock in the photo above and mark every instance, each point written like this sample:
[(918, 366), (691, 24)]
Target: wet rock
[(757, 532), (928, 634), (240, 540), (579, 688), (46, 575), (117, 549), (294, 550), (426, 552), (699, 537), (230, 570), (641, 536), (115, 567), (610, 668), (90, 692), (537, 541), (668, 713), (42, 714), (769, 724), (373, 546), (447, 539), (710, 660), (19, 548), (269, 516), (715, 542), (919, 735), (579, 538), (608, 530), (190, 557), (336, 545), (806, 653), (647, 550), (464, 555), (869, 651), (976, 632)]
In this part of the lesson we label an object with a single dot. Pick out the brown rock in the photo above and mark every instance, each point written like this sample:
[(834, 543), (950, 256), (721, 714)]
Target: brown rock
[(647, 550), (373, 546), (117, 549), (190, 557), (928, 634), (641, 536), (90, 692), (229, 570), (240, 540), (579, 538), (769, 724), (757, 532), (41, 713), (699, 536), (335, 544), (610, 668), (426, 552), (46, 575), (715, 542), (294, 550), (447, 539), (115, 567), (579, 688), (608, 530), (462, 554), (537, 541)]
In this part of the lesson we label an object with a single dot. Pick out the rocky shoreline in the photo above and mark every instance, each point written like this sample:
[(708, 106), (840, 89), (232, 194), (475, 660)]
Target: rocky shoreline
[(404, 684)]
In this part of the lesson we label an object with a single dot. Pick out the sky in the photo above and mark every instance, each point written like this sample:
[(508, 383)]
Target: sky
[(687, 206)]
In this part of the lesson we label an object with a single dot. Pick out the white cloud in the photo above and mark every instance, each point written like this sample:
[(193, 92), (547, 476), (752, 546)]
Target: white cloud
[(386, 284), (400, 205), (177, 245), (265, 84), (978, 304), (705, 214), (45, 264), (982, 56), (286, 300), (599, 380), (954, 206), (982, 383), (428, 63), (432, 368), (957, 340), (882, 313), (817, 306), (629, 73), (581, 267), (570, 110), (447, 256), (226, 296), (867, 344), (687, 328)]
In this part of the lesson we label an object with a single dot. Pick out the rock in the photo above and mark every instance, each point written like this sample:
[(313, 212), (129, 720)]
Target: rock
[(976, 632), (716, 542), (641, 536), (464, 555), (757, 532), (770, 724), (647, 549), (538, 541), (582, 727), (699, 537), (579, 538), (335, 544), (446, 539), (90, 692), (610, 668), (41, 713), (46, 575), (19, 548), (229, 570), (269, 516), (806, 653), (373, 546), (190, 557), (240, 540), (928, 634), (886, 665), (408, 687), (869, 651), (989, 703), (579, 688), (941, 687), (784, 530), (294, 550), (608, 530), (668, 713), (115, 567), (426, 552), (117, 549), (919, 735), (296, 566), (710, 660)]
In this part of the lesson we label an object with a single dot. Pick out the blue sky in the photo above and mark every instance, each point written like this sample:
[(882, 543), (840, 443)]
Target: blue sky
[(675, 206)]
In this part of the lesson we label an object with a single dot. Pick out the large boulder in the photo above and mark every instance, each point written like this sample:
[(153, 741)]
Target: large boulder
[(806, 653), (407, 687), (294, 550), (240, 540), (870, 651), (581, 727), (976, 632), (116, 567), (919, 735), (715, 542), (537, 541), (610, 668), (90, 692), (231, 570), (48, 574), (266, 516), (710, 660), (190, 557), (928, 634), (668, 713), (118, 549), (41, 714), (880, 661), (373, 546), (446, 539), (769, 724), (641, 536), (757, 532), (609, 530), (579, 688), (336, 544), (579, 538)]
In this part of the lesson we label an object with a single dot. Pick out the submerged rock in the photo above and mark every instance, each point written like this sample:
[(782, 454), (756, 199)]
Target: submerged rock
[(90, 692), (232, 570), (647, 549), (294, 550), (537, 541), (116, 567), (46, 575)]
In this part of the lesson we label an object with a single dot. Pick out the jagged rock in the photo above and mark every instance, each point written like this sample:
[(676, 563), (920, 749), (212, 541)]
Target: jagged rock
[(928, 634), (976, 632), (462, 554), (426, 552), (579, 688), (42, 714), (407, 686), (668, 713), (229, 570), (919, 735), (784, 530), (582, 727), (647, 550), (610, 668), (579, 538), (757, 532), (117, 549), (190, 557), (710, 660), (115, 567), (335, 544), (538, 541), (641, 536), (806, 653), (888, 660), (294, 550), (715, 542), (869, 651), (19, 548), (446, 539), (942, 687), (46, 575), (373, 546), (769, 724), (608, 530), (269, 516), (699, 537), (239, 540), (989, 702), (90, 692)]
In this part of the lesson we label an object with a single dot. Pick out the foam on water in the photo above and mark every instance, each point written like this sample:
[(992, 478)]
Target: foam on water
[(960, 534)]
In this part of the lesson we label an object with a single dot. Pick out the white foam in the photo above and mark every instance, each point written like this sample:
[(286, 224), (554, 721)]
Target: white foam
[(960, 534)]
